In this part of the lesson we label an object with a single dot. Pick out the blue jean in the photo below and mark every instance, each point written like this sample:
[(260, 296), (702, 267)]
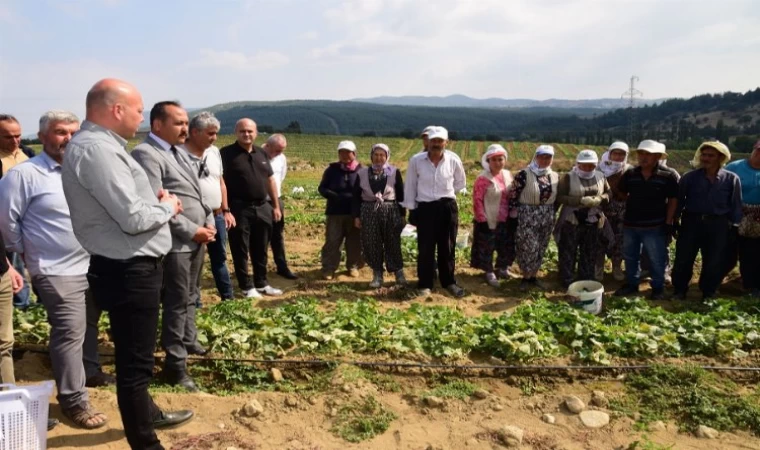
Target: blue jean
[(21, 299), (653, 240), (217, 253)]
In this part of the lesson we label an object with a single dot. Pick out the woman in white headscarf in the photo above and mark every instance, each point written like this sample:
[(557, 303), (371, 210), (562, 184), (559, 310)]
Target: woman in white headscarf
[(582, 193), (532, 203), (377, 211), (490, 203), (614, 163)]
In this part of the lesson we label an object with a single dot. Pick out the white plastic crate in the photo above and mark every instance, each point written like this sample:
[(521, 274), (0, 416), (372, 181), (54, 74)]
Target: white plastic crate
[(23, 416)]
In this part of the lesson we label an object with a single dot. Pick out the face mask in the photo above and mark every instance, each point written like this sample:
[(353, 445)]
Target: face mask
[(583, 174)]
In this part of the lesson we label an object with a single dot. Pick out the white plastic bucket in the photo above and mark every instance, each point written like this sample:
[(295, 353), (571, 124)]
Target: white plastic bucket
[(588, 295), (23, 416)]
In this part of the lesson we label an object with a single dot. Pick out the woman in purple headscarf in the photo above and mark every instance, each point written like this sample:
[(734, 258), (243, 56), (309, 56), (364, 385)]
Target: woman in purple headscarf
[(377, 210)]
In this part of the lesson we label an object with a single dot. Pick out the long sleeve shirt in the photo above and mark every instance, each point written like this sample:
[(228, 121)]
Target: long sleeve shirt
[(114, 211), (426, 182), (723, 197), (337, 186), (35, 219), (377, 183), (479, 190)]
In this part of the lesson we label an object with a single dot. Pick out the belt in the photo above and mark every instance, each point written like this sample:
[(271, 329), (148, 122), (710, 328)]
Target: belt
[(440, 200), (701, 216), (134, 259)]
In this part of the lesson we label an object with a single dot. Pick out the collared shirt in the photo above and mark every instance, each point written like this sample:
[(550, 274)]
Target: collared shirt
[(114, 211), (35, 219), (246, 174), (10, 159), (749, 179), (210, 171), (722, 197), (3, 257), (279, 168), (647, 202), (427, 183)]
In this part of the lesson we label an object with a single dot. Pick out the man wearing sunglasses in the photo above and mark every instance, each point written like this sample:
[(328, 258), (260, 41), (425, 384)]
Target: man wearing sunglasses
[(207, 162)]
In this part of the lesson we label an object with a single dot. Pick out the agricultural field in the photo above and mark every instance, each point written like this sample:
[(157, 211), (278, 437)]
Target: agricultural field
[(337, 365)]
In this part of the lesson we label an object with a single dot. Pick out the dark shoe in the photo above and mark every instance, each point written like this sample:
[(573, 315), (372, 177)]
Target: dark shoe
[(100, 379), (52, 423), (526, 285), (657, 294), (626, 290), (678, 295), (197, 350), (172, 419), (286, 273), (455, 290), (181, 379)]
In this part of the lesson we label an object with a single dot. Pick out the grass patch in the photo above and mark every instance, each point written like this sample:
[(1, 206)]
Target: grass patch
[(459, 389), (361, 420), (647, 444), (690, 396)]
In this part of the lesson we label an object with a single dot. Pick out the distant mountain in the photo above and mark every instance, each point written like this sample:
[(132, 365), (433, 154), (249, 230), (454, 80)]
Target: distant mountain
[(463, 101)]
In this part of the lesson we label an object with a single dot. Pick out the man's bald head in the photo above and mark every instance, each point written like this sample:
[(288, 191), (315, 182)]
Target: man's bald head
[(116, 105), (275, 144), (245, 129)]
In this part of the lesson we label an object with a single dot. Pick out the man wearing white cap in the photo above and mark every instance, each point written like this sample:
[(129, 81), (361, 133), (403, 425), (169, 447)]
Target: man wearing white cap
[(710, 206), (433, 179), (337, 186), (425, 144), (649, 213)]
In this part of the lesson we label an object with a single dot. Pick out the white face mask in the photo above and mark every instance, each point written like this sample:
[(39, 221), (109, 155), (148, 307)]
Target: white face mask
[(583, 174)]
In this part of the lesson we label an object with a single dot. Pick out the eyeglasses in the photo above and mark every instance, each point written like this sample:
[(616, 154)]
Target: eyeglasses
[(203, 171)]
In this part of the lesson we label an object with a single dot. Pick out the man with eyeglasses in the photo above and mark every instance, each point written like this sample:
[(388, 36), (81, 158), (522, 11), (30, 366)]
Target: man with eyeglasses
[(169, 169), (207, 162)]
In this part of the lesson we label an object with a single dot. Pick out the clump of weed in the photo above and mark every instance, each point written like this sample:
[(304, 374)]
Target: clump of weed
[(361, 420), (691, 396), (459, 389)]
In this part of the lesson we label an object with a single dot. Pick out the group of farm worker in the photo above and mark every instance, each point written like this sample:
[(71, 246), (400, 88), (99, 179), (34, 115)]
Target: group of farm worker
[(602, 208)]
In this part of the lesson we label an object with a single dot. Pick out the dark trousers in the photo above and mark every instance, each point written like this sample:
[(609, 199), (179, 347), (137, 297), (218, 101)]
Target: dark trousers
[(708, 235), (178, 299), (277, 241), (217, 255), (250, 237), (90, 355), (578, 247), (130, 290), (438, 224), (749, 262)]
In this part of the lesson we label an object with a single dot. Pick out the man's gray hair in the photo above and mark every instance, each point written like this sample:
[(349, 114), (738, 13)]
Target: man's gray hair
[(54, 116), (278, 139), (203, 120)]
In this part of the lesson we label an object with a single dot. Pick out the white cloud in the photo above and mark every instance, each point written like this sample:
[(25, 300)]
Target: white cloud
[(261, 60)]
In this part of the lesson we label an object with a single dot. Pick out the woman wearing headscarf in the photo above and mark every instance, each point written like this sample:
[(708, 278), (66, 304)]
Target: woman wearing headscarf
[(614, 163), (337, 186), (377, 211), (532, 203), (490, 202), (582, 193)]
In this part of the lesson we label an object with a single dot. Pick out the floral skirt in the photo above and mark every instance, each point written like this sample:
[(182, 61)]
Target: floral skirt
[(486, 241), (534, 229)]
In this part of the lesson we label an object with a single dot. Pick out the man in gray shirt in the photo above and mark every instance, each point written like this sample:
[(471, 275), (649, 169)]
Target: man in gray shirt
[(123, 225), (168, 167)]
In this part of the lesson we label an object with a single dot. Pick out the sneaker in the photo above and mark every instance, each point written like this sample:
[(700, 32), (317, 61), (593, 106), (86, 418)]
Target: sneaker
[(657, 294), (400, 278), (377, 280), (668, 280), (618, 273), (424, 292), (626, 290), (353, 273), (269, 290), (328, 275), (491, 279), (455, 290), (252, 293), (677, 295)]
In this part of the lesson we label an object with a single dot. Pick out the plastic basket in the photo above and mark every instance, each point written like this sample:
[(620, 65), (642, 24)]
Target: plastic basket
[(23, 416)]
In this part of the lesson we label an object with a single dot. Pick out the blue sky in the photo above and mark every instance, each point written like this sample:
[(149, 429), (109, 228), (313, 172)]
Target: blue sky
[(208, 52)]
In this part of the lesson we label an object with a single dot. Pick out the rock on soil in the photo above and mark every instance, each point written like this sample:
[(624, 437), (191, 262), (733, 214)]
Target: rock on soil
[(658, 425), (253, 409), (480, 394), (595, 419), (276, 375), (574, 404), (706, 432), (548, 418), (599, 399), (434, 402), (511, 436)]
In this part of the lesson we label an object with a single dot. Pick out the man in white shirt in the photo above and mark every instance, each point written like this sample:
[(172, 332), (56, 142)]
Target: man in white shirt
[(432, 181), (36, 224), (205, 157), (275, 148)]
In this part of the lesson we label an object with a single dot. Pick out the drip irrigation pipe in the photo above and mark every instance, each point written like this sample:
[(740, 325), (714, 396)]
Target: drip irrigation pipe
[(463, 367)]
